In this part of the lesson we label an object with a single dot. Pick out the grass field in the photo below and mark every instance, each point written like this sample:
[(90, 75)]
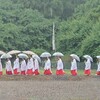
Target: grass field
[(80, 72)]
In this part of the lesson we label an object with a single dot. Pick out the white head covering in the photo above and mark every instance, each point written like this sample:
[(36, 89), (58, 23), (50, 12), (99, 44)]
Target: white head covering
[(98, 57), (88, 57), (74, 56)]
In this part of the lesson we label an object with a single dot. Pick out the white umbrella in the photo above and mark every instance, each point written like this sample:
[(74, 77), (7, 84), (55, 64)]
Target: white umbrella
[(75, 57), (35, 56), (88, 57), (45, 54), (58, 54), (14, 52), (28, 52), (1, 52), (98, 57), (22, 55), (5, 56)]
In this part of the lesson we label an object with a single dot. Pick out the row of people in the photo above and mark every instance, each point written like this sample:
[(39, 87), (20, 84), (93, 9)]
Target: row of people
[(23, 68), (32, 67)]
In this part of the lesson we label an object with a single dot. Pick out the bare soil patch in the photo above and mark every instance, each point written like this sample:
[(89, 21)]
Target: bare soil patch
[(49, 87)]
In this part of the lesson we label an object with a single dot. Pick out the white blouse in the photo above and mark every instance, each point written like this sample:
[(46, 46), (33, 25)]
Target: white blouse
[(30, 64), (16, 64), (88, 64), (98, 69), (36, 64), (74, 65), (9, 66), (59, 64), (0, 65), (47, 64), (23, 65)]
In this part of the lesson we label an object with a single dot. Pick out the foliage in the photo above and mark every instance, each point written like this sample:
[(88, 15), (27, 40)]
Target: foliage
[(27, 25), (81, 34)]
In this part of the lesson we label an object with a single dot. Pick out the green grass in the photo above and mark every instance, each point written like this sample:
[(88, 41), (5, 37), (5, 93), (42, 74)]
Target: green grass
[(4, 71), (80, 72)]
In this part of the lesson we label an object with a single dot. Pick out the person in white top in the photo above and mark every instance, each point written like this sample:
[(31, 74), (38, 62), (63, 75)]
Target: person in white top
[(23, 67), (16, 67), (0, 68), (47, 67), (36, 66), (87, 70), (98, 68), (60, 66), (74, 67), (9, 70), (30, 66)]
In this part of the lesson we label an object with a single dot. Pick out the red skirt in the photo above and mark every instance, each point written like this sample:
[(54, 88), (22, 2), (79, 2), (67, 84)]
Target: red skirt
[(98, 72), (87, 72), (8, 72), (74, 72), (23, 73), (36, 72), (29, 72), (33, 72), (47, 72), (60, 72), (16, 72), (1, 73)]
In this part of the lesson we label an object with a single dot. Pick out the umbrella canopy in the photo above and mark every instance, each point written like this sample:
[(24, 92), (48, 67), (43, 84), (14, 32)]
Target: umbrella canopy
[(35, 56), (14, 52), (45, 54), (22, 55), (28, 52), (5, 56), (88, 57), (75, 57), (1, 52), (59, 54), (98, 57)]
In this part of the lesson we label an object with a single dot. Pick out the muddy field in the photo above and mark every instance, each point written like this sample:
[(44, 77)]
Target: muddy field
[(49, 87)]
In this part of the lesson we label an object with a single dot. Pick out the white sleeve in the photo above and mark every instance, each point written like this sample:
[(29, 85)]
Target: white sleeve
[(87, 65), (0, 66), (23, 65), (98, 69), (27, 65), (47, 65), (31, 63), (59, 64), (36, 64), (16, 64), (10, 66), (74, 65)]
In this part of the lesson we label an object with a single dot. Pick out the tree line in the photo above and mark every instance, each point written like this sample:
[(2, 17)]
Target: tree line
[(27, 25)]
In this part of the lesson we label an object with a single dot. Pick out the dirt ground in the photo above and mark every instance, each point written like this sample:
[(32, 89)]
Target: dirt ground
[(49, 87)]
